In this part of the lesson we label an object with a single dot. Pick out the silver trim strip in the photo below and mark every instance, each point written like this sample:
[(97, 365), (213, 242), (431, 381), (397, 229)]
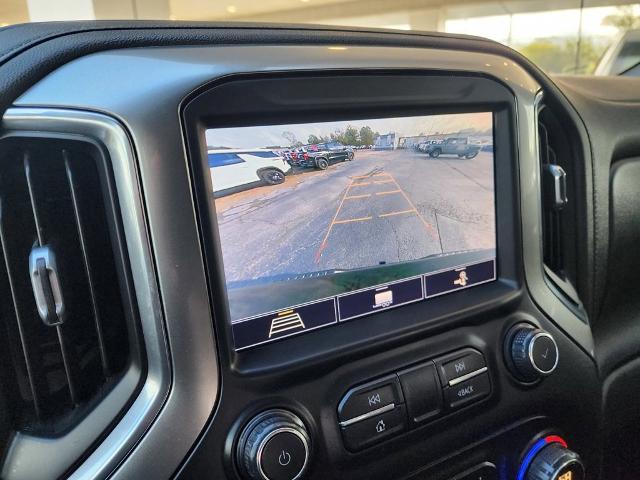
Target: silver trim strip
[(463, 378), (372, 413)]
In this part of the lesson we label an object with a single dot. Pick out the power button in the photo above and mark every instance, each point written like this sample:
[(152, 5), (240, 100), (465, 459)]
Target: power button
[(275, 445), (283, 456)]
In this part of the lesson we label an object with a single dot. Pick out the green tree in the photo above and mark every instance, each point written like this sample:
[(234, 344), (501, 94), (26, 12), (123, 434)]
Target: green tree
[(626, 19), (560, 56), (350, 136), (315, 139), (292, 139), (367, 135)]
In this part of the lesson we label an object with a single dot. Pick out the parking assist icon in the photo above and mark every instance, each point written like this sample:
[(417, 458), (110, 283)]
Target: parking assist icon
[(285, 321)]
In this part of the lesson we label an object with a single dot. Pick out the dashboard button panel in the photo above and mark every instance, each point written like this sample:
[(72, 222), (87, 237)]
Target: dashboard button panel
[(379, 409)]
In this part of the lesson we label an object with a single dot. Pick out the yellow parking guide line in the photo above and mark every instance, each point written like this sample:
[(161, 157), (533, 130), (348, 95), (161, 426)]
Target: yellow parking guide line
[(354, 184), (286, 312), (426, 224), (323, 244), (383, 181), (357, 196), (397, 213), (360, 219), (388, 192)]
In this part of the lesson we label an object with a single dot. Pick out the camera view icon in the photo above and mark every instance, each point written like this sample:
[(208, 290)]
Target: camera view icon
[(285, 321), (383, 299)]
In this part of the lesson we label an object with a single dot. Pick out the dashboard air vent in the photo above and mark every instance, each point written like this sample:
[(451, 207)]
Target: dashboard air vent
[(558, 211), (67, 316)]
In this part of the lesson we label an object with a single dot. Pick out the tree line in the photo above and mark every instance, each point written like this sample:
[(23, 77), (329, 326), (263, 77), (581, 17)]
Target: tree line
[(350, 135)]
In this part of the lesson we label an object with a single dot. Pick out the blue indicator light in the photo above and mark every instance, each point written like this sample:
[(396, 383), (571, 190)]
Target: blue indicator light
[(524, 466)]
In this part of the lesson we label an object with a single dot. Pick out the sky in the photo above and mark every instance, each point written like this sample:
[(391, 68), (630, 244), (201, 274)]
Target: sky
[(257, 137)]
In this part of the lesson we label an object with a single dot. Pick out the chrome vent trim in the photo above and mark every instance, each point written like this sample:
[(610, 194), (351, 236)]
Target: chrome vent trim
[(109, 134)]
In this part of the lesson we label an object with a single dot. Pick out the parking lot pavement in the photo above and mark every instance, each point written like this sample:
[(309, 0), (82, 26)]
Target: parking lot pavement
[(382, 207)]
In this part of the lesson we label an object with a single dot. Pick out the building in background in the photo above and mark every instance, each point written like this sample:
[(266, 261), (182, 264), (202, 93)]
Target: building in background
[(385, 142), (563, 36)]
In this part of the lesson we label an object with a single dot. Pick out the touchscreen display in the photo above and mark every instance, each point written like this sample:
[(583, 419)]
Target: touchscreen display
[(322, 223)]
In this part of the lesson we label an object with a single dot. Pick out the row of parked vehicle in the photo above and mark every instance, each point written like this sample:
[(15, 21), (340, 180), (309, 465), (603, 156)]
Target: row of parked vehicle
[(319, 155), (233, 169)]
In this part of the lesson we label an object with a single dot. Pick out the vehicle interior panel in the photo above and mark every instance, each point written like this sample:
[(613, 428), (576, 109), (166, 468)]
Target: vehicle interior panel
[(272, 251)]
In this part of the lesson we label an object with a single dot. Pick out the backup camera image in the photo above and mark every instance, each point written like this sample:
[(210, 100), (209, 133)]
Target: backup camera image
[(325, 222)]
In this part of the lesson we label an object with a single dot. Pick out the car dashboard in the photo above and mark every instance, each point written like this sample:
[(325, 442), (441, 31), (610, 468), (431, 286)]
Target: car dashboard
[(513, 359)]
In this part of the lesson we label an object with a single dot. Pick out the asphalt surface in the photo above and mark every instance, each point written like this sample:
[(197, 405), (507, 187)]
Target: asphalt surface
[(382, 207)]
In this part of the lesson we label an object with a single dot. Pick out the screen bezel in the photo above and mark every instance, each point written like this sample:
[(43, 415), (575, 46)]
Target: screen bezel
[(303, 97)]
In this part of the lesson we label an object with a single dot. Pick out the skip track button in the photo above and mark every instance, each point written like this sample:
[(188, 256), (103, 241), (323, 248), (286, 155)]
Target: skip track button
[(459, 364), (370, 397)]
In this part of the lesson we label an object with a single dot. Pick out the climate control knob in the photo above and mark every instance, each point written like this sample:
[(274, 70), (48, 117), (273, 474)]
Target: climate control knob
[(532, 351), (555, 462), (274, 445)]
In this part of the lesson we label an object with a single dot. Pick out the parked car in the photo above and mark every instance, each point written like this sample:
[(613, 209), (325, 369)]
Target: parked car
[(459, 146), (622, 57), (233, 168), (322, 155)]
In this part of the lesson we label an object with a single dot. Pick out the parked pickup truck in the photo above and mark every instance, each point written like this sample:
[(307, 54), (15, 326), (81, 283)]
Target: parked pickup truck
[(459, 146)]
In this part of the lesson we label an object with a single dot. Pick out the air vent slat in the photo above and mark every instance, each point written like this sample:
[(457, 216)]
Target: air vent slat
[(66, 360), (87, 265), (18, 320)]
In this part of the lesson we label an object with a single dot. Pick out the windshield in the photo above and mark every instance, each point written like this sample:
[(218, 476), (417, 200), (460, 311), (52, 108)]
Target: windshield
[(599, 37)]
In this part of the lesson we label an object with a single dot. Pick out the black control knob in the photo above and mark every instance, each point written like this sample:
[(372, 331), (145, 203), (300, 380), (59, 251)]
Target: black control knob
[(532, 351), (555, 462), (274, 445)]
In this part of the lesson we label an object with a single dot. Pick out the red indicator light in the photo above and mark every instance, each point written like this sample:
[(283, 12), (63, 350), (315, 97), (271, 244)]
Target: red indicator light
[(556, 439)]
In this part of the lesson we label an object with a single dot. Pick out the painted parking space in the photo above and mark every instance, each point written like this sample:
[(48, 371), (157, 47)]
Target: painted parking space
[(383, 207), (380, 199)]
